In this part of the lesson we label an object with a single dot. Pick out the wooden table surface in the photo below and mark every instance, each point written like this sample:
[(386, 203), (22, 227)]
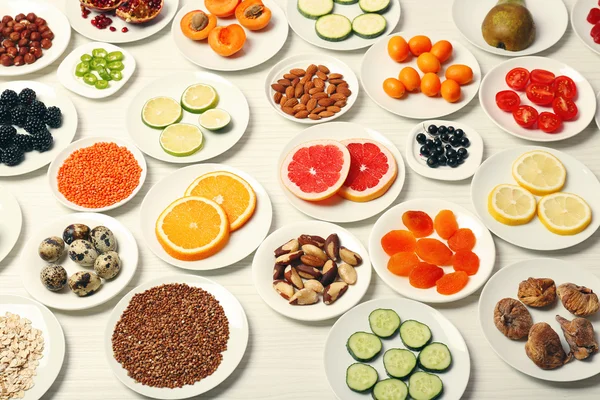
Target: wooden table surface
[(284, 359)]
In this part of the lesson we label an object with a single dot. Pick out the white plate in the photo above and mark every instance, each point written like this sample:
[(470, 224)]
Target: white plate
[(305, 27), (336, 208), (88, 142), (236, 346), (262, 272), (392, 220), (303, 61), (505, 283), (136, 31), (414, 105), (497, 169), (241, 242), (337, 359), (494, 82), (32, 264), (444, 173), (11, 221), (259, 47), (57, 22), (597, 118), (550, 17), (581, 26), (54, 340), (66, 71), (62, 136), (231, 99)]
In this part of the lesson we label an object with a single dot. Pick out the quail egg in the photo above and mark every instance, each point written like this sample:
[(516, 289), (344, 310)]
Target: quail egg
[(54, 277), (84, 283), (103, 239), (83, 253), (51, 249), (107, 265), (74, 232)]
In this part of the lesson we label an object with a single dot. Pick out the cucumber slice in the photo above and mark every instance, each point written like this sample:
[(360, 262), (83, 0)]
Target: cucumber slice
[(399, 363), (333, 27), (369, 26), (361, 377), (390, 389), (314, 9), (384, 323), (435, 357), (346, 2), (374, 6), (424, 386), (363, 346), (414, 334)]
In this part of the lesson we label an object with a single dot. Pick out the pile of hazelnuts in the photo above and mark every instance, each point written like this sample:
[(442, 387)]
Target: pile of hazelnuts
[(23, 39)]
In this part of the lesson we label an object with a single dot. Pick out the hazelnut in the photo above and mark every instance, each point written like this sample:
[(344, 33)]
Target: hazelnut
[(2, 50), (36, 51), (19, 60), (43, 28), (23, 50), (26, 34), (29, 58), (35, 36), (6, 19), (48, 35), (15, 36), (23, 42), (31, 17), (6, 60), (46, 43), (11, 23), (33, 27), (35, 44), (12, 52), (7, 43), (20, 17), (7, 31), (39, 21), (19, 27), (2, 25)]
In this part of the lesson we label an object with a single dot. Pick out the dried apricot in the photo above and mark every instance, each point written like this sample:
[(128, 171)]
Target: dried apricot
[(442, 50), (398, 241), (419, 44), (402, 263), (430, 84), (445, 224), (424, 275), (452, 283), (418, 222), (463, 239), (433, 251), (467, 261), (410, 78), (427, 62)]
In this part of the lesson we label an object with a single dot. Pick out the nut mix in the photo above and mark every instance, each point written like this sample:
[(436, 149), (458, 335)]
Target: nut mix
[(171, 335), (23, 39), (307, 266), (313, 93)]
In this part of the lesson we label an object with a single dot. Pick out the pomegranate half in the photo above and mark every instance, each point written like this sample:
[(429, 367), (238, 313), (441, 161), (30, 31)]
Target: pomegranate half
[(139, 11), (101, 5)]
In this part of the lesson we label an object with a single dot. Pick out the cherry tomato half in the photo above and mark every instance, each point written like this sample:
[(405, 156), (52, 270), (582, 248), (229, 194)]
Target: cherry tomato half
[(564, 108), (595, 33), (526, 116), (564, 87), (549, 122), (507, 100), (542, 76), (517, 78), (540, 94)]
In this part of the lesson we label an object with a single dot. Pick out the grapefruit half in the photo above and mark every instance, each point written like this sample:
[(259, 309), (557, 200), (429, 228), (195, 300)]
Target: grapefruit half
[(373, 170), (315, 170)]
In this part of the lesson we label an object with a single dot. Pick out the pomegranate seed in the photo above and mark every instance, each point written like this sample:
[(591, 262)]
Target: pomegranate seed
[(124, 30), (112, 29)]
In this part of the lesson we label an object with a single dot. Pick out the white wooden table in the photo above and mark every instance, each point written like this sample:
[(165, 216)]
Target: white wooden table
[(284, 359)]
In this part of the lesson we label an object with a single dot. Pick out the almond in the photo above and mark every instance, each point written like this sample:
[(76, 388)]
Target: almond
[(320, 95), (330, 89), (299, 90), (290, 77), (340, 103), (315, 90), (311, 105), (312, 68), (284, 82), (278, 87), (321, 76), (308, 85), (295, 82), (288, 110), (336, 76), (338, 96), (305, 98), (336, 81), (325, 102), (345, 84), (319, 109), (291, 103), (299, 107), (277, 97), (301, 114), (314, 117), (298, 72), (319, 83), (305, 79), (323, 69), (283, 100), (326, 114), (344, 90), (334, 109), (289, 92)]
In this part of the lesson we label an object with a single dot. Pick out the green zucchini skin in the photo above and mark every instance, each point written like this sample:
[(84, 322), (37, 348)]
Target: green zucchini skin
[(373, 34), (363, 7), (309, 15), (341, 37), (346, 2)]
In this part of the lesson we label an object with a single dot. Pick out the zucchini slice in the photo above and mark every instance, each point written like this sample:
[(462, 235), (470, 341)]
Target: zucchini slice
[(369, 26), (424, 386), (346, 2), (363, 346), (314, 9), (374, 6), (399, 363), (333, 27), (390, 389), (361, 377), (414, 334), (435, 357), (384, 323)]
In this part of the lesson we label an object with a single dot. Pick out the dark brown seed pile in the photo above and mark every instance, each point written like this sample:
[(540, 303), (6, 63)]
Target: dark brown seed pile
[(171, 335)]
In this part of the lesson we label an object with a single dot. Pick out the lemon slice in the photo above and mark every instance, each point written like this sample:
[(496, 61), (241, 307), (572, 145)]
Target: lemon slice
[(199, 98), (181, 140), (511, 205), (564, 213), (160, 112), (214, 119), (539, 172)]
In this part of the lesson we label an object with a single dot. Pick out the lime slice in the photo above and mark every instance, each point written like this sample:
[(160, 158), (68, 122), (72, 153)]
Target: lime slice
[(160, 112), (199, 98), (181, 140), (214, 119)]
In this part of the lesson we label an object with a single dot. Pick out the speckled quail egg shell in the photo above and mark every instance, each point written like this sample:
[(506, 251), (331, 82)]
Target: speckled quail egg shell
[(75, 232), (51, 249), (84, 283), (83, 253), (103, 239), (107, 265), (53, 277)]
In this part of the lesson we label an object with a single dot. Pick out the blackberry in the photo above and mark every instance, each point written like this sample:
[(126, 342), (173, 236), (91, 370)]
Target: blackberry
[(18, 116), (5, 117), (25, 142), (7, 135), (36, 109), (12, 155), (42, 141), (53, 117), (9, 98), (26, 96), (34, 124)]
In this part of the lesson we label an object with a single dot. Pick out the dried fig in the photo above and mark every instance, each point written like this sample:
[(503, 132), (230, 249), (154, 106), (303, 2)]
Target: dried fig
[(578, 300), (537, 292), (579, 333), (543, 347), (512, 318)]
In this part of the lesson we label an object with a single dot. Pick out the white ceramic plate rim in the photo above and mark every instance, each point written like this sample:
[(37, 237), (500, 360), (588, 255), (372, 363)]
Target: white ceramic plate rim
[(9, 205), (578, 24), (597, 117)]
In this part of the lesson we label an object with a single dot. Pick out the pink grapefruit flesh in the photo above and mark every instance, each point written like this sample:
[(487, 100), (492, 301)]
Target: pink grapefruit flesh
[(372, 170), (316, 170)]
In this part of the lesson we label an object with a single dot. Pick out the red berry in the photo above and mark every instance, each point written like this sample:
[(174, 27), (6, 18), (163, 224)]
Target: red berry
[(124, 30)]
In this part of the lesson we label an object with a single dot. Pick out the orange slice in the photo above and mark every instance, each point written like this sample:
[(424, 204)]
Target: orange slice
[(192, 228), (228, 190)]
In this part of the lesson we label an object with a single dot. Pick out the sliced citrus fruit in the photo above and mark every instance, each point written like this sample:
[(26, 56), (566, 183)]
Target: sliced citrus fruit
[(539, 172), (192, 228), (214, 119), (511, 205), (199, 98), (228, 190), (316, 170), (160, 112), (564, 213), (181, 140), (372, 170)]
